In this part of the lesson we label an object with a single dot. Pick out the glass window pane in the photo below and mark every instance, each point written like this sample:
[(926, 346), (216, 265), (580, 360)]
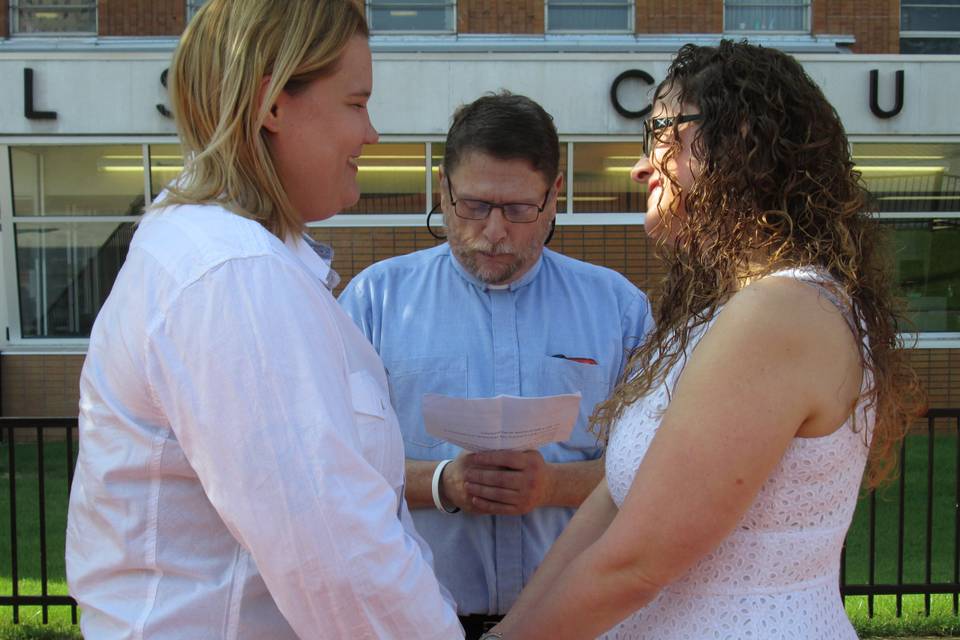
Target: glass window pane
[(54, 16), (914, 177), (77, 180), (930, 17), (587, 16), (404, 15), (65, 272), (193, 6), (601, 178), (937, 46), (166, 163), (392, 179), (778, 15), (927, 266)]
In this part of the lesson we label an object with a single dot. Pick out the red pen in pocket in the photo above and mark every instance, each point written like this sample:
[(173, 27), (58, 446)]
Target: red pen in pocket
[(580, 360)]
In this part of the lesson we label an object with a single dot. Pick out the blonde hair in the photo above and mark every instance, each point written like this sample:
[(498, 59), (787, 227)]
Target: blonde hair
[(218, 69)]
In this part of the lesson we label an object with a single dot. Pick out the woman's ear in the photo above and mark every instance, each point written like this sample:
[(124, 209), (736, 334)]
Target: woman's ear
[(271, 119)]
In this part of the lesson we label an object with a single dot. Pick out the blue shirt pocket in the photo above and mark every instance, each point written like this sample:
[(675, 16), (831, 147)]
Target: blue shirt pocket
[(409, 379), (559, 375)]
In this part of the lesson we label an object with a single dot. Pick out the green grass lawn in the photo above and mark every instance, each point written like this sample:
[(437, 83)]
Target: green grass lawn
[(884, 622)]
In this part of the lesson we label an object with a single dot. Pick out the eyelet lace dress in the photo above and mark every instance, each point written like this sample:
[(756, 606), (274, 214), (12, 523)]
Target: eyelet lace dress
[(777, 575)]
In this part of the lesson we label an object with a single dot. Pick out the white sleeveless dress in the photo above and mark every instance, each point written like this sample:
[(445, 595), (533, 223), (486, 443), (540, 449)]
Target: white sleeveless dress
[(777, 575)]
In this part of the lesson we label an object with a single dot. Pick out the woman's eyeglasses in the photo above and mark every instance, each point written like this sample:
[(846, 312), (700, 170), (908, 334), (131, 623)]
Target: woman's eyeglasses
[(652, 125)]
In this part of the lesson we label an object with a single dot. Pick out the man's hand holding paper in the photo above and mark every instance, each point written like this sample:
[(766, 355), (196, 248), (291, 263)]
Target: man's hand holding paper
[(508, 476)]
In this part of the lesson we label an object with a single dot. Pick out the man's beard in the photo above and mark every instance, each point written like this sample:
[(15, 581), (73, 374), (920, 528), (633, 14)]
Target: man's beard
[(466, 252)]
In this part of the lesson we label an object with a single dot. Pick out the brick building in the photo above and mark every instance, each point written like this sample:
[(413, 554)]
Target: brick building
[(86, 138)]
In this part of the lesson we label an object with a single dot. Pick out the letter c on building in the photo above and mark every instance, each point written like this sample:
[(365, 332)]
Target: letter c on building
[(629, 74)]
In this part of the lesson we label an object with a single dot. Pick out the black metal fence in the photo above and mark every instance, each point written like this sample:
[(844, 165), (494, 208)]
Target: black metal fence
[(924, 563), (931, 488), (38, 433)]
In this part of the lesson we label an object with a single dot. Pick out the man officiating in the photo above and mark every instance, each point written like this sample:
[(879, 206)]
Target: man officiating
[(490, 312)]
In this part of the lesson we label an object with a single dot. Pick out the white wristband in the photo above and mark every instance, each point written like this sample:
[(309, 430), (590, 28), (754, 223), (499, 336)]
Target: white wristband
[(435, 485)]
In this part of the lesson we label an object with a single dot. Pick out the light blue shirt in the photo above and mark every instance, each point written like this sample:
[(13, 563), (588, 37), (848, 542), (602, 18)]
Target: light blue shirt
[(439, 329)]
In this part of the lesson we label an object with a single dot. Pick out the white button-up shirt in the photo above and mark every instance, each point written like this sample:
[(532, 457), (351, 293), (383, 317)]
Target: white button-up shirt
[(241, 470)]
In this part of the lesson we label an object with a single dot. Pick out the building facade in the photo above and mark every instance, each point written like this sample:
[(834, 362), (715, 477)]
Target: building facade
[(86, 138)]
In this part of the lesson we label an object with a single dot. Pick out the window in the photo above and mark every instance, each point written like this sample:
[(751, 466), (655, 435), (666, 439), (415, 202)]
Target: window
[(589, 16), (406, 16), (192, 7), (392, 178), (74, 209), (601, 178), (916, 187), (68, 17), (930, 26), (766, 16)]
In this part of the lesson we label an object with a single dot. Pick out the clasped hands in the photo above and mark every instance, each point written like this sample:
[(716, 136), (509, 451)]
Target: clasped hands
[(498, 482)]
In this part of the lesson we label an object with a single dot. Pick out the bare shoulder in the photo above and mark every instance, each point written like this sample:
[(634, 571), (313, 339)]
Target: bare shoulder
[(789, 310), (791, 327)]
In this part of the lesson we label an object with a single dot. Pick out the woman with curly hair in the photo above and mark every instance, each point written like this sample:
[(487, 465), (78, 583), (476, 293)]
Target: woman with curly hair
[(739, 434)]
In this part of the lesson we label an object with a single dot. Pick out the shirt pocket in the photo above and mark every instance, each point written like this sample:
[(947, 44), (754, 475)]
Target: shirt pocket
[(376, 427), (559, 375), (411, 378)]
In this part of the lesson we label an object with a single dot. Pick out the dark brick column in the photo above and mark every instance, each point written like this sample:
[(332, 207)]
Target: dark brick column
[(4, 19), (500, 16), (141, 17), (695, 16), (875, 24)]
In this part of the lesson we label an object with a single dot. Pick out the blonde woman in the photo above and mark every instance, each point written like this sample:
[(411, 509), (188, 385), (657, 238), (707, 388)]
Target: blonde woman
[(739, 434), (241, 470)]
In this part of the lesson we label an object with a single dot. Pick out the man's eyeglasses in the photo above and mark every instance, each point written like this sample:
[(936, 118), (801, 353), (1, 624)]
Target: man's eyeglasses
[(652, 125), (522, 212)]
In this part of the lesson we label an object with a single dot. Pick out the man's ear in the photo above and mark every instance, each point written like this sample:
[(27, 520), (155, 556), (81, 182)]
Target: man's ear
[(271, 119), (558, 183), (440, 176)]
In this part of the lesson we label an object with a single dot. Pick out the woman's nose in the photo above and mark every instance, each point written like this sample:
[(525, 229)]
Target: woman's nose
[(642, 170), (371, 136)]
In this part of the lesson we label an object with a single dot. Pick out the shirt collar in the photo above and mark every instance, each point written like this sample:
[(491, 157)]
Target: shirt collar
[(523, 281), (315, 256)]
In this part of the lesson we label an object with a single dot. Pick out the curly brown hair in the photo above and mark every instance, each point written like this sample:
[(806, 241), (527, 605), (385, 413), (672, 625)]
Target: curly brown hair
[(776, 180)]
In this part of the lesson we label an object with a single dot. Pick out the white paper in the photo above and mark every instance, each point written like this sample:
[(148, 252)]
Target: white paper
[(502, 422)]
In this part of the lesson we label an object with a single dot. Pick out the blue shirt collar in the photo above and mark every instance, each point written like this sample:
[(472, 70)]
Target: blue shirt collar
[(523, 281), (316, 257)]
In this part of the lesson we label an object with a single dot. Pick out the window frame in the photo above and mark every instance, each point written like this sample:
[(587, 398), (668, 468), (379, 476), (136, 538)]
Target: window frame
[(450, 18), (925, 339), (9, 222), (921, 34), (808, 20), (14, 20), (628, 4), (9, 300)]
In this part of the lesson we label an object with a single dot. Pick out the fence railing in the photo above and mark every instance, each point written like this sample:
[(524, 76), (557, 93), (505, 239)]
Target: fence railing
[(921, 522), (16, 435), (927, 485)]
